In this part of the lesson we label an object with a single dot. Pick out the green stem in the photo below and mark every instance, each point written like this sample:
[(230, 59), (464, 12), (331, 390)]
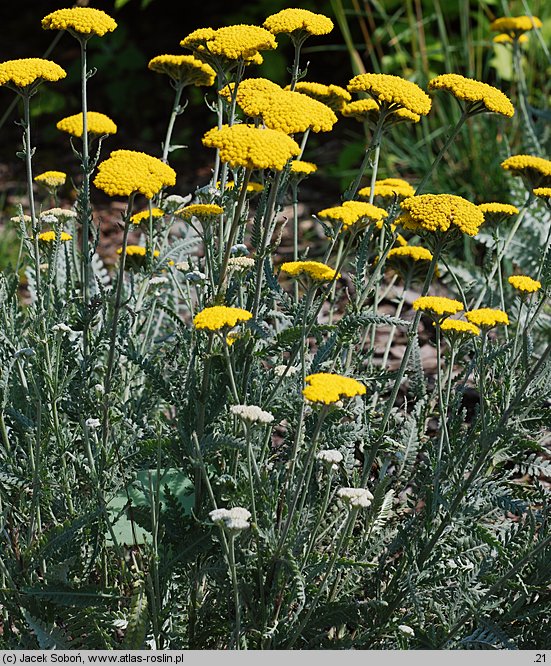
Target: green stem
[(233, 573), (176, 110)]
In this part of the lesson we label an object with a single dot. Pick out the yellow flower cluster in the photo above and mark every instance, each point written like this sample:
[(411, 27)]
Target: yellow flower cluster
[(351, 213), (233, 42), (185, 69), (524, 284), (328, 388), (437, 212), (136, 251), (474, 93), (142, 216), (283, 110), (128, 171), (220, 316), (368, 109), (514, 26), (487, 317), (438, 305), (506, 39), (50, 236), (298, 20), (251, 187), (543, 192), (536, 170), (334, 96), (389, 187), (26, 71), (390, 90), (315, 270), (202, 211), (413, 252), (252, 147), (499, 210), (83, 20), (457, 326), (51, 179), (98, 123), (303, 168)]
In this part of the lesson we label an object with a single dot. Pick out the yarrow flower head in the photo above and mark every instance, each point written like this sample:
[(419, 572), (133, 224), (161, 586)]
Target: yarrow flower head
[(51, 179), (218, 317), (535, 171), (80, 20), (315, 270), (302, 169), (487, 318), (51, 236), (368, 110), (392, 91), (331, 458), (97, 123), (143, 215), (410, 261), (356, 498), (333, 96), (293, 21), (351, 214), (542, 192), (252, 147), (438, 305), (231, 42), (234, 520), (327, 388), (186, 70), (279, 109), (388, 188), (455, 328), (438, 212), (240, 264), (497, 212), (480, 97), (524, 284), (136, 251), (515, 26), (204, 212), (129, 171), (55, 215), (20, 74), (252, 414)]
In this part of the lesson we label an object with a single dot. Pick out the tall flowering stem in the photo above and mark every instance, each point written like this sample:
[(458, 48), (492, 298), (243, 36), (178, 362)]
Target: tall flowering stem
[(374, 149), (114, 323), (86, 212), (176, 111)]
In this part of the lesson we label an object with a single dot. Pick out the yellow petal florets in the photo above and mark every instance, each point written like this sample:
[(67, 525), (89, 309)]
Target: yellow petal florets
[(369, 110), (389, 187), (98, 123), (26, 71), (298, 20), (128, 171), (457, 326), (413, 252), (438, 305), (50, 236), (82, 20), (438, 212), (51, 179), (220, 316), (202, 211), (328, 388), (334, 96), (351, 213), (524, 284), (536, 171), (390, 90), (303, 168), (543, 192), (252, 147), (232, 42), (499, 210), (143, 216), (185, 69), (315, 270), (474, 93), (514, 26), (487, 317)]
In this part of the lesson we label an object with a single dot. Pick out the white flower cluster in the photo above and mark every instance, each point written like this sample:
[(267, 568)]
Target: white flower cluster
[(252, 414), (234, 520), (53, 215), (355, 497), (174, 201), (240, 263), (332, 458), (159, 279), (279, 370)]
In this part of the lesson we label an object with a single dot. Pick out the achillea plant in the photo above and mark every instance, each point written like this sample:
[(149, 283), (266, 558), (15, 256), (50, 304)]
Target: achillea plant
[(217, 444)]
